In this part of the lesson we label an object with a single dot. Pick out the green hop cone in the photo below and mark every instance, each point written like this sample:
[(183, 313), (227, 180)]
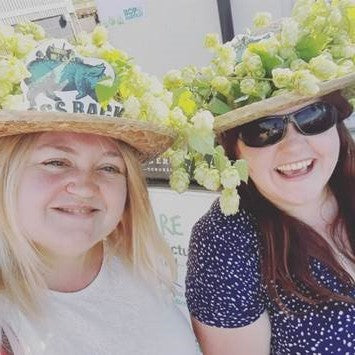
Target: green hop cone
[(200, 173), (229, 201), (262, 19), (31, 28), (5, 88), (282, 77), (177, 158), (248, 86), (323, 67), (305, 82), (212, 180), (173, 79), (298, 64), (230, 178), (289, 32), (221, 84), (179, 180), (132, 107), (99, 36), (14, 102), (211, 41)]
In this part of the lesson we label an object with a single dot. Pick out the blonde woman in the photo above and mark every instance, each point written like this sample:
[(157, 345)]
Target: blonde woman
[(83, 267)]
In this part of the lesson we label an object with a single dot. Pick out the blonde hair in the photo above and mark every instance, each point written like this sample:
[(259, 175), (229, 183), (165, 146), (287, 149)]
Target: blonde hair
[(136, 239), (20, 263)]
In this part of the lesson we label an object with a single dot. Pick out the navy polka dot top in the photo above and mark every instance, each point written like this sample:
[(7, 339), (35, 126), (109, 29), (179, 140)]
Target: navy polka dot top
[(224, 289)]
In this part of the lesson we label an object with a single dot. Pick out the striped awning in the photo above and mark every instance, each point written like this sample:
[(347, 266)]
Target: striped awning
[(15, 11)]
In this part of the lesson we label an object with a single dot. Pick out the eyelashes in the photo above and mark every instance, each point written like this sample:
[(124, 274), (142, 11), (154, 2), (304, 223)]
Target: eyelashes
[(58, 164)]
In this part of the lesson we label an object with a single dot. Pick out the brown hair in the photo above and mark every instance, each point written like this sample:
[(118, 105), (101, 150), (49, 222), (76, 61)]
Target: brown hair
[(288, 244)]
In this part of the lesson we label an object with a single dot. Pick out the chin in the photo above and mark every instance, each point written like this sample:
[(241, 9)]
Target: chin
[(302, 199)]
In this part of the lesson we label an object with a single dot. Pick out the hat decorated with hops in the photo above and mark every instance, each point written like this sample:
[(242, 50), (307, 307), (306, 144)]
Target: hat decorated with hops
[(308, 55), (86, 86)]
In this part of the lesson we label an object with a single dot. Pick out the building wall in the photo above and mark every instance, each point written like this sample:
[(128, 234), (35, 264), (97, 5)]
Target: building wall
[(170, 35), (45, 12), (14, 11), (244, 11)]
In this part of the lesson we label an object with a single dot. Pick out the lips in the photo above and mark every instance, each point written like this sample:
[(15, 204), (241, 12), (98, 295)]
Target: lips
[(295, 169), (77, 210)]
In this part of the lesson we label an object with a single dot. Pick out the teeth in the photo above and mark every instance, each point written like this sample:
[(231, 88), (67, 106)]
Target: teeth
[(82, 210), (295, 166)]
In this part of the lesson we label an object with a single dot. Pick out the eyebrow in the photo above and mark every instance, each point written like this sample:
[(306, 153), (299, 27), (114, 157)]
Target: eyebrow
[(66, 149)]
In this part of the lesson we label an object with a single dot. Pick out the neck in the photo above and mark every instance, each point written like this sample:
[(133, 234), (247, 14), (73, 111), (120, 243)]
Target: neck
[(73, 273), (318, 213)]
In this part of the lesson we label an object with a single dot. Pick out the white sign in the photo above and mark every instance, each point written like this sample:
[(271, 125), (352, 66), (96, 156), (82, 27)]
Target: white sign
[(113, 13), (176, 214)]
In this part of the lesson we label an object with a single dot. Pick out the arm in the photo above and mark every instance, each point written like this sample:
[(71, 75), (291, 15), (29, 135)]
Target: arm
[(224, 290), (253, 339)]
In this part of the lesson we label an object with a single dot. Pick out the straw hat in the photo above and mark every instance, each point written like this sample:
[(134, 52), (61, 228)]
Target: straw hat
[(295, 60), (149, 139), (271, 105), (56, 90)]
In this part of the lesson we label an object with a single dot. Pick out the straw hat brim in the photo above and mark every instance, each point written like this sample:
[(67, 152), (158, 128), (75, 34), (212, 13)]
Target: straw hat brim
[(148, 139), (269, 106)]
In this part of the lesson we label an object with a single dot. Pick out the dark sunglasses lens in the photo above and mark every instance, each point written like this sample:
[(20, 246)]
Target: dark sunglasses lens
[(316, 118), (262, 132)]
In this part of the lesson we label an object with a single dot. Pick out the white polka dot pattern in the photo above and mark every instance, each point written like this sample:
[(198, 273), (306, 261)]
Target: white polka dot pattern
[(224, 289)]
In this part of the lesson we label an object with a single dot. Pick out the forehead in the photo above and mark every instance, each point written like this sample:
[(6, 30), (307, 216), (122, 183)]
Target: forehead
[(294, 108), (76, 140)]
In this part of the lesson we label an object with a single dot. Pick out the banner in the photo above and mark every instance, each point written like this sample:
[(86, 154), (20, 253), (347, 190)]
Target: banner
[(113, 13)]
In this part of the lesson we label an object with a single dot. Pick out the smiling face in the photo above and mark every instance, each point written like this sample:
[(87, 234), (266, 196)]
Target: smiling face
[(296, 170), (72, 192)]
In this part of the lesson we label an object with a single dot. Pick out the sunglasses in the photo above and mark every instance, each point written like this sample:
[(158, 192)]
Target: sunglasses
[(309, 120)]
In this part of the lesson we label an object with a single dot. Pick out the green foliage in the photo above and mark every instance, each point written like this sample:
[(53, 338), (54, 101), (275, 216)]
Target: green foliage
[(312, 45), (202, 141)]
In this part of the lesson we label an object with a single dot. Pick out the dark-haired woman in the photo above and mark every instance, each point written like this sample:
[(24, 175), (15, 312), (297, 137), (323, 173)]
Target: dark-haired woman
[(278, 277)]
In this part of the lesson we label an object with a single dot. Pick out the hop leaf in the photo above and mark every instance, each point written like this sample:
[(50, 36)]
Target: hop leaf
[(218, 107), (242, 168), (201, 141), (221, 162), (310, 46), (186, 102)]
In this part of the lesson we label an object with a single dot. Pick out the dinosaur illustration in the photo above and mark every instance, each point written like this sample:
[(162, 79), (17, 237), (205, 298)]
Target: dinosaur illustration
[(50, 75)]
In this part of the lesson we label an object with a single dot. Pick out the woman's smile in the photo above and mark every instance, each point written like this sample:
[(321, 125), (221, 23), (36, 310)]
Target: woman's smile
[(296, 169), (73, 191)]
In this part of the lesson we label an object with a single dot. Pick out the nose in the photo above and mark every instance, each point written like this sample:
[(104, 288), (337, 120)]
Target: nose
[(292, 133), (82, 184)]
